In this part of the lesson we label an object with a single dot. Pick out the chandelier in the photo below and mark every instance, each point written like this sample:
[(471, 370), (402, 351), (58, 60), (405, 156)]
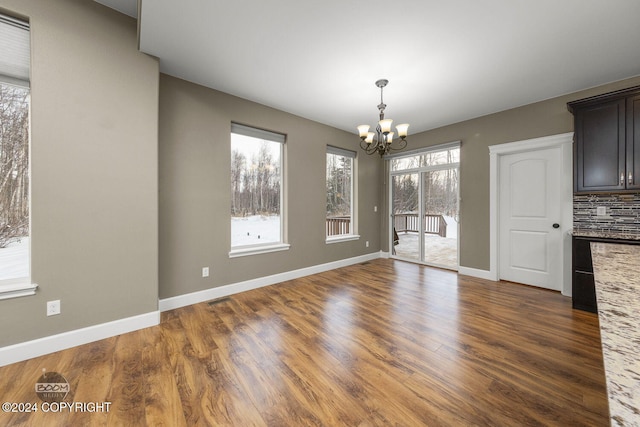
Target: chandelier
[(381, 141)]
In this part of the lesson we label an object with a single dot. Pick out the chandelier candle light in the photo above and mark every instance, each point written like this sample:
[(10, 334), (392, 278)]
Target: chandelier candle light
[(381, 141)]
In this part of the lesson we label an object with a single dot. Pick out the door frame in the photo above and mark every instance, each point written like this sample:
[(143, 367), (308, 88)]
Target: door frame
[(563, 141)]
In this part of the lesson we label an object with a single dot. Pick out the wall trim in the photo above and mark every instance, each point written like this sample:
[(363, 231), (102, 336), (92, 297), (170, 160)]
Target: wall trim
[(476, 272), (247, 285), (51, 344)]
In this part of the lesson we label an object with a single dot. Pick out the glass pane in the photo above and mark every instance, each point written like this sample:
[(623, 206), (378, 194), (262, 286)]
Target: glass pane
[(432, 158), (441, 217), (256, 178), (405, 163), (406, 226), (14, 182), (440, 157), (339, 194)]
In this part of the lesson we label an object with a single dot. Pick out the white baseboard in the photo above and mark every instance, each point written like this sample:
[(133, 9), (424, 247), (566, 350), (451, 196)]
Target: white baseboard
[(39, 347), (234, 288), (475, 272), (27, 350)]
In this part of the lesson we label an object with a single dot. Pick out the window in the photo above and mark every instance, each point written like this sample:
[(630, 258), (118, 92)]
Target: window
[(257, 217), (434, 156), (340, 221), (15, 274)]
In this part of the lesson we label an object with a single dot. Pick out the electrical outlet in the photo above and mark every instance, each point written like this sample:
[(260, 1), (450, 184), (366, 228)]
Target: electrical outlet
[(205, 271), (53, 307), (601, 211), (366, 244), (375, 209)]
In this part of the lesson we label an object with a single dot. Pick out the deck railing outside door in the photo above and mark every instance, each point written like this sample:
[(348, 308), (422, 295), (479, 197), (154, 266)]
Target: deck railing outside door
[(404, 222), (433, 224)]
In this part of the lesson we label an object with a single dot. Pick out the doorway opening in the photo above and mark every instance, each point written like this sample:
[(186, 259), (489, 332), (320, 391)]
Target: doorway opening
[(424, 206)]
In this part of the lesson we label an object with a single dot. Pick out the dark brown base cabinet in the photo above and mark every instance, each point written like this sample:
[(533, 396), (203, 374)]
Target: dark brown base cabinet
[(583, 287)]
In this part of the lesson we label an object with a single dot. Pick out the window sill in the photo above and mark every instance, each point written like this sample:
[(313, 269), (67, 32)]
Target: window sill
[(234, 253), (342, 238), (17, 290)]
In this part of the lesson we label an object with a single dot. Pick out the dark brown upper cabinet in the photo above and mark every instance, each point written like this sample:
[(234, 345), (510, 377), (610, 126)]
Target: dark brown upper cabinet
[(606, 153)]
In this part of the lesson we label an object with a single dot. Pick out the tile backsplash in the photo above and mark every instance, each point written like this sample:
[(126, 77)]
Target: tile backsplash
[(621, 212)]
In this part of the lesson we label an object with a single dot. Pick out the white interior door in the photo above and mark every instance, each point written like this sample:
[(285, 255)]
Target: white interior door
[(530, 212)]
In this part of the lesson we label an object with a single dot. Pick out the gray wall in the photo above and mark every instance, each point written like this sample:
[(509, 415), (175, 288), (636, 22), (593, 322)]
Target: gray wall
[(94, 170), (195, 198), (120, 152), (544, 118)]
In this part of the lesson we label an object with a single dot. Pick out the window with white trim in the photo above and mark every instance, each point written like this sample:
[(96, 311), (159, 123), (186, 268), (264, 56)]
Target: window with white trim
[(15, 274), (340, 220), (257, 214)]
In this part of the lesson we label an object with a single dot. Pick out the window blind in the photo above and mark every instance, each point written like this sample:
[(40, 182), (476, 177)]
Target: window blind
[(257, 133), (341, 151), (14, 45), (418, 151)]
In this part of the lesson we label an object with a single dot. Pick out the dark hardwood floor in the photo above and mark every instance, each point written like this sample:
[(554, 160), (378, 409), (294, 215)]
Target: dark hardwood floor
[(375, 344)]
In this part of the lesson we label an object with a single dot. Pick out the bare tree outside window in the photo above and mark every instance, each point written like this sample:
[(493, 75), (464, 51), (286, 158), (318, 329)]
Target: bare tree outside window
[(14, 180), (256, 187), (339, 193)]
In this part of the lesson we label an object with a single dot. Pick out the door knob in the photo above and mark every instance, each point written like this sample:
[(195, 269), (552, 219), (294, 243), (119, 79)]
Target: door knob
[(556, 225)]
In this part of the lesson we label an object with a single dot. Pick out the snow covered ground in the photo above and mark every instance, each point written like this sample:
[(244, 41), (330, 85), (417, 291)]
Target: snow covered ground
[(14, 260), (452, 227), (255, 229), (438, 250)]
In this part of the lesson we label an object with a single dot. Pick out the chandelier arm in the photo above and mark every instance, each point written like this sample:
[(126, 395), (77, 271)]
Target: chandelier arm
[(402, 144), (368, 148)]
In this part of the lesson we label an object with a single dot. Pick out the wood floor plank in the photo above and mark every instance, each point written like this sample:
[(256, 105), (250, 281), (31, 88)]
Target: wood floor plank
[(127, 388), (162, 397), (375, 344)]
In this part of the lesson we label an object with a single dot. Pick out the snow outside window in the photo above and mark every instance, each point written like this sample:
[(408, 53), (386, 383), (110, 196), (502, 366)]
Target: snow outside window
[(257, 217)]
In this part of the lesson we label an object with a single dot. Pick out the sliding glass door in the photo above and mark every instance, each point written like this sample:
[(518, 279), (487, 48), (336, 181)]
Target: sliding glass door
[(424, 206)]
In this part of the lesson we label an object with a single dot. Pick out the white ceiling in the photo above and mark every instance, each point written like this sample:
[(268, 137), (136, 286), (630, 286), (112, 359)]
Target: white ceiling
[(446, 61)]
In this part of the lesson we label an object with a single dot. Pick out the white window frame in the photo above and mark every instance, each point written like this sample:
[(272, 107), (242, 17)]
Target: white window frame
[(239, 251), (353, 234), (15, 70)]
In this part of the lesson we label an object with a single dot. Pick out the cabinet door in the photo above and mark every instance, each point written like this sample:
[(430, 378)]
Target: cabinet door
[(584, 292), (633, 143), (582, 255), (600, 147)]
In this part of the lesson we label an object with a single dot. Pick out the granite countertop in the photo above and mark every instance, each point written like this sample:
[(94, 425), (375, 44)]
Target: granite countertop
[(616, 269), (604, 234)]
